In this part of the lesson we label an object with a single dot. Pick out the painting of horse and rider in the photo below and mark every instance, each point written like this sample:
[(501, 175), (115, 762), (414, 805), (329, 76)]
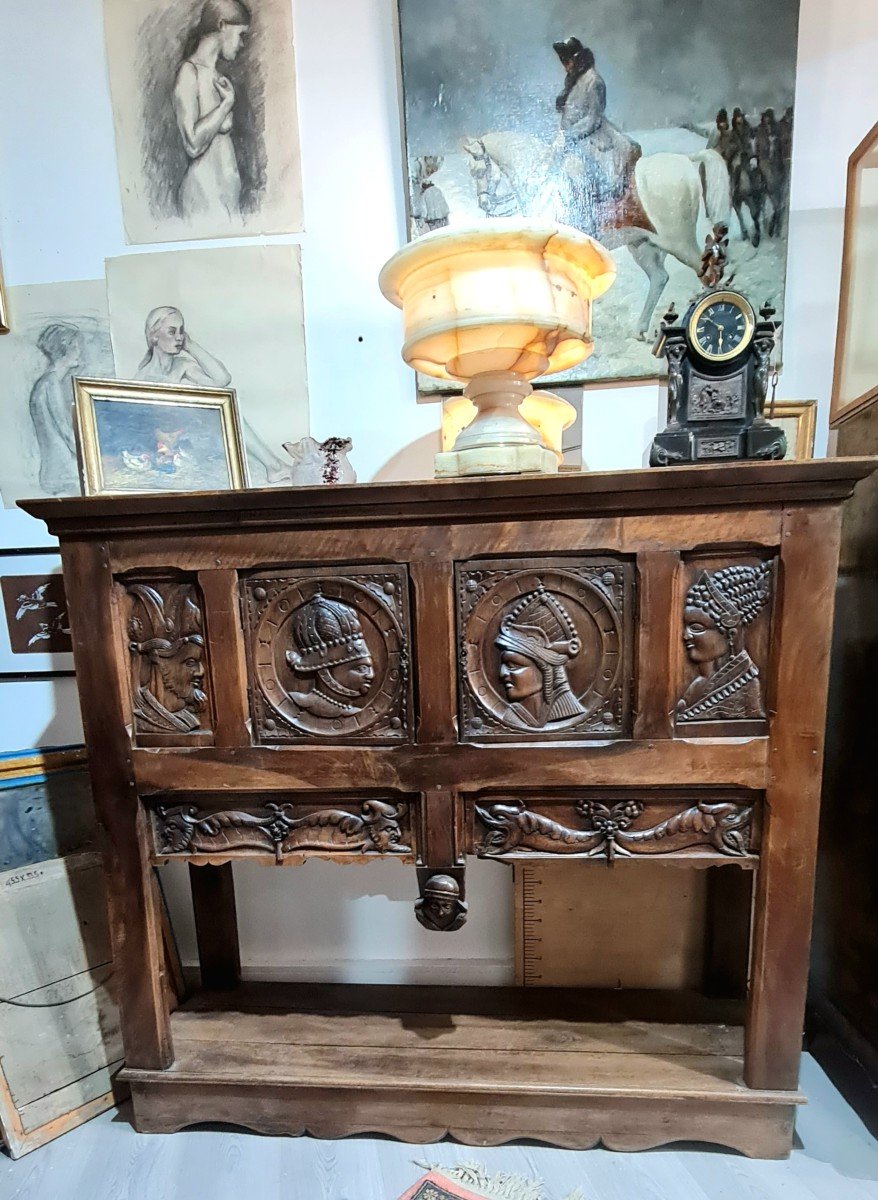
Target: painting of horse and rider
[(664, 130)]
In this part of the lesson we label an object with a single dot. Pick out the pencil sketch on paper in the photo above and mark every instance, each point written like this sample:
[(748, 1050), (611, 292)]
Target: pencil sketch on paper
[(219, 318), (61, 330), (206, 122), (172, 356)]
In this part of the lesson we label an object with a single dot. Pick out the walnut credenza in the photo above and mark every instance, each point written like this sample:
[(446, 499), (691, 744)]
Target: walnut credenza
[(601, 667)]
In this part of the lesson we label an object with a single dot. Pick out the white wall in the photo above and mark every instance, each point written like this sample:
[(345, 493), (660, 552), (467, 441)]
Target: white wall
[(60, 217)]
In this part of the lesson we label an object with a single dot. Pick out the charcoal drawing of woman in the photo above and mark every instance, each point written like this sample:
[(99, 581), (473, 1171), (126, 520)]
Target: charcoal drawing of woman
[(50, 408), (719, 607), (204, 102), (173, 357)]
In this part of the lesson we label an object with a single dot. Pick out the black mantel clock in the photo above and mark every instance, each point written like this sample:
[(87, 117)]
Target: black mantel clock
[(719, 359)]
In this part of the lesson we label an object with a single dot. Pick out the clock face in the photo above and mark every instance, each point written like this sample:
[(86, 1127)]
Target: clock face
[(721, 326)]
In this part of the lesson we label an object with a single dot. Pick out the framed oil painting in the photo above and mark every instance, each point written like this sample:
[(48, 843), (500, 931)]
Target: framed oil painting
[(648, 127), (35, 630), (142, 437)]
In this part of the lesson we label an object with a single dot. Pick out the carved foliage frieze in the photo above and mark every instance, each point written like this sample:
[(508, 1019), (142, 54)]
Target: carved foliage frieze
[(544, 649), (371, 827), (164, 628), (605, 829), (726, 611), (329, 654)]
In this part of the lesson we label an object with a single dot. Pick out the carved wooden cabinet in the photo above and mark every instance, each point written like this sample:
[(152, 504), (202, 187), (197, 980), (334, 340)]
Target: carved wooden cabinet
[(613, 668)]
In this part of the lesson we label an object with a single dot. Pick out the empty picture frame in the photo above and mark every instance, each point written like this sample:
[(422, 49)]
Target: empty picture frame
[(145, 437)]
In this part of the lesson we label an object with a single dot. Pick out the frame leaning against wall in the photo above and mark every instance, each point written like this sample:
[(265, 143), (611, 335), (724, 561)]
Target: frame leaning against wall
[(4, 311), (864, 156)]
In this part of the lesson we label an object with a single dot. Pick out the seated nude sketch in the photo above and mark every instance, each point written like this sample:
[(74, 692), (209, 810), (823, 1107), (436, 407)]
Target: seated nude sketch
[(204, 101), (537, 640), (168, 646), (331, 654), (50, 408), (719, 606), (172, 356)]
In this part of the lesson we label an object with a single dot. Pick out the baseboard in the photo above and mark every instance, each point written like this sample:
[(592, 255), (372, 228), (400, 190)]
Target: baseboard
[(848, 1058), (463, 972)]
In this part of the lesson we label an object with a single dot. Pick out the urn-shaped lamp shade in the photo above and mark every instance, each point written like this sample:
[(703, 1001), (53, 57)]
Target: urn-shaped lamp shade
[(503, 295)]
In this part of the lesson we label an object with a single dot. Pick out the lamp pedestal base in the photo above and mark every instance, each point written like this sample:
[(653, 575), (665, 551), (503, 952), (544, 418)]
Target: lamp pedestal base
[(498, 441), (496, 460)]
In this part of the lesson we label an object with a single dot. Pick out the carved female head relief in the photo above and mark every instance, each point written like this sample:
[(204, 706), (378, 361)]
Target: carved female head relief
[(719, 606)]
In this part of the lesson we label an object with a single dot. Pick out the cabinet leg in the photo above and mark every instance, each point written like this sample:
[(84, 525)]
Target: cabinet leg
[(729, 905), (216, 926)]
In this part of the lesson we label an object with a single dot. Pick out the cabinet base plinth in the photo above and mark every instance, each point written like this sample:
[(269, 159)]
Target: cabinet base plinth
[(570, 1071)]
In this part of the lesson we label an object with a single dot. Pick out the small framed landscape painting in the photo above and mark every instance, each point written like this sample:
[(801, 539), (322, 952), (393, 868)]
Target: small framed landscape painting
[(143, 437), (35, 631)]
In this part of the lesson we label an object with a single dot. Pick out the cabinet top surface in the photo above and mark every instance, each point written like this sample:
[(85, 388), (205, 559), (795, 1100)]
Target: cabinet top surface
[(575, 495)]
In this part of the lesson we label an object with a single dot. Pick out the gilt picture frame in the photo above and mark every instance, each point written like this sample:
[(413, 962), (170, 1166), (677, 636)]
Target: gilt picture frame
[(798, 420), (143, 437), (4, 310)]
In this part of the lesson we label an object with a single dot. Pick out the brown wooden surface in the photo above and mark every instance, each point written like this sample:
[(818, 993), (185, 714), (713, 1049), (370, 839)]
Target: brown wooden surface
[(737, 485), (419, 1073), (509, 542), (785, 883), (225, 642), (216, 925), (844, 986), (135, 918)]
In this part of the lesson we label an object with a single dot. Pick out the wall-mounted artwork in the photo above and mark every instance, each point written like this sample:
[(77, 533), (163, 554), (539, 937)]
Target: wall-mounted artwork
[(645, 126), (218, 319), (142, 437), (35, 630), (60, 330), (204, 100)]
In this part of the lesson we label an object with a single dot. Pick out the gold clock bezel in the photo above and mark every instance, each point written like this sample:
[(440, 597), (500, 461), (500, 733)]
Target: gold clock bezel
[(738, 301)]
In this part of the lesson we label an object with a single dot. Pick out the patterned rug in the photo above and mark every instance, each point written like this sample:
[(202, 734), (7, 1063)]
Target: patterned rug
[(470, 1181)]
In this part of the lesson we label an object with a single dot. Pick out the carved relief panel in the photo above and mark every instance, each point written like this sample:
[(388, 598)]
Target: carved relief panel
[(618, 824), (329, 654), (725, 629), (166, 646), (216, 829), (544, 648)]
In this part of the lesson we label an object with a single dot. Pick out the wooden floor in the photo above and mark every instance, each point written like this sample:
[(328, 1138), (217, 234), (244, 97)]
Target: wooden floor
[(107, 1160)]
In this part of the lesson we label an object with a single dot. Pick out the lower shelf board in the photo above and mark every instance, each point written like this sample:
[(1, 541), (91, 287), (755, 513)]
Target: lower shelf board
[(332, 1061)]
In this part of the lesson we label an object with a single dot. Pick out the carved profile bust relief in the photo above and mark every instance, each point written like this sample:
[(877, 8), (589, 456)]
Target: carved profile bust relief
[(167, 647), (544, 648), (330, 656), (719, 607), (536, 642), (329, 653)]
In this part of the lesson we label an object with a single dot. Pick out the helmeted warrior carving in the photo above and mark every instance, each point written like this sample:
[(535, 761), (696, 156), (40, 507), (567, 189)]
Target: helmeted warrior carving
[(166, 641), (537, 640), (719, 607), (330, 652), (440, 907)]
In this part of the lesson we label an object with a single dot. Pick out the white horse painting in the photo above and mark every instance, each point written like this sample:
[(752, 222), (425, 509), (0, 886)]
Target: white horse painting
[(658, 215)]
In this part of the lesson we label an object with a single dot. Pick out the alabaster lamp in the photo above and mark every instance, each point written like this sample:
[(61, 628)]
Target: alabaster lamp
[(495, 305)]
